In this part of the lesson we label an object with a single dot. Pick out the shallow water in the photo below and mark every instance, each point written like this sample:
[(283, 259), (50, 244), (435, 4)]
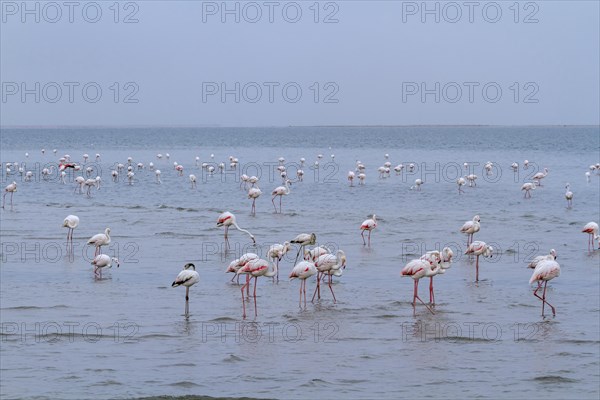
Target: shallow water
[(124, 336)]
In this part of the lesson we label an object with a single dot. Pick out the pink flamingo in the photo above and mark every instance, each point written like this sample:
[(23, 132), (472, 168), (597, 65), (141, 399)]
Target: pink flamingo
[(103, 261), (227, 219), (368, 225), (545, 271), (71, 222), (303, 239), (534, 263), (591, 228), (418, 269), (327, 264), (479, 248), (99, 240), (280, 191), (303, 270), (188, 277), (255, 268), (444, 260), (276, 252), (470, 228), (12, 188), (528, 187), (254, 193)]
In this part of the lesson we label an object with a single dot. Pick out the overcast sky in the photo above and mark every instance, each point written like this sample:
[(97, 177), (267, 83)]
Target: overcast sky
[(361, 63)]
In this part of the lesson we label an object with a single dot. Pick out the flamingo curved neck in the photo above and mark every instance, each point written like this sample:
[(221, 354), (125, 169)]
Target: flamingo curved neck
[(272, 270)]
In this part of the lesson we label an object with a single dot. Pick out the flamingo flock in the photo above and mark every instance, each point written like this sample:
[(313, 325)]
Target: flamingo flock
[(318, 261)]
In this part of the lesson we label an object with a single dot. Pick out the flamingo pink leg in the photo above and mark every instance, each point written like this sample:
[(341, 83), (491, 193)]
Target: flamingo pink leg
[(369, 238), (330, 288), (243, 300), (477, 270), (543, 298), (363, 237), (431, 295), (226, 240), (187, 301), (255, 309), (318, 287), (416, 296)]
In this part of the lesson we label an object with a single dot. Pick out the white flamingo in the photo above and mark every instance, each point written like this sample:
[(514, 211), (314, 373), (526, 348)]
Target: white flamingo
[(368, 225), (569, 196), (276, 253), (193, 180), (188, 277), (303, 239), (591, 228), (280, 191), (11, 188), (534, 263), (254, 193), (71, 222), (528, 187), (470, 228), (351, 178), (327, 264), (417, 269), (227, 219), (545, 271), (103, 261), (539, 176), (255, 268), (99, 240), (479, 248), (303, 270)]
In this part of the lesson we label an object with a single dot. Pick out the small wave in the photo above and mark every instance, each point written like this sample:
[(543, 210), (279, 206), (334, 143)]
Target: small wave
[(109, 382), (579, 341), (554, 379), (223, 319), (232, 358), (33, 307), (184, 384), (157, 336), (315, 382), (466, 339)]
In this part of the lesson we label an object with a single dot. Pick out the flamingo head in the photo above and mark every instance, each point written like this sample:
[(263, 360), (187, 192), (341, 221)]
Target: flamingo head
[(553, 253), (115, 260), (189, 266)]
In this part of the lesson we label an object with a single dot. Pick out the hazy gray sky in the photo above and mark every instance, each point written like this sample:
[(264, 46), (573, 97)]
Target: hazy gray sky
[(360, 63)]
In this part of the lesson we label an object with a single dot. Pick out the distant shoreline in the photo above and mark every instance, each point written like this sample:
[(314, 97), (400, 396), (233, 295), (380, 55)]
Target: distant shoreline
[(281, 126)]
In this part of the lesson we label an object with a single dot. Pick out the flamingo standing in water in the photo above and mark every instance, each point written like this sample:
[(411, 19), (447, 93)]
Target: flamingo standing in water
[(254, 193), (280, 191), (470, 228), (71, 222), (103, 261), (417, 186), (238, 263), (157, 173), (479, 248), (313, 254), (99, 240), (526, 164), (545, 271), (188, 277), (255, 268), (368, 225), (327, 264), (528, 187), (361, 178), (461, 182), (276, 252), (351, 178), (303, 270), (303, 239), (591, 228), (444, 261), (12, 188), (227, 219), (539, 176), (418, 269), (569, 196), (534, 263)]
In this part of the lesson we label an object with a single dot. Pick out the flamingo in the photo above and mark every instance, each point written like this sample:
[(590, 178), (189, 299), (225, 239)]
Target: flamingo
[(99, 240), (255, 268), (569, 196), (472, 178), (303, 239), (534, 263), (588, 176), (227, 219), (470, 228), (368, 225), (461, 182), (85, 157), (479, 248), (417, 186), (193, 180), (528, 187), (591, 228), (71, 222), (361, 178), (179, 169), (79, 182), (157, 174), (115, 175), (280, 191), (253, 180), (444, 261), (130, 176), (103, 261), (398, 168), (488, 168), (89, 183), (327, 264), (539, 176), (526, 164), (244, 181), (300, 175), (351, 178), (276, 252), (303, 270), (254, 193), (312, 255), (418, 269), (545, 271), (12, 188), (188, 277), (240, 262), (515, 167), (28, 176), (97, 157), (46, 172)]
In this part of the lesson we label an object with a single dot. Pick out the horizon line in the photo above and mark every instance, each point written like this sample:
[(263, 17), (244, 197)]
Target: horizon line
[(285, 126)]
